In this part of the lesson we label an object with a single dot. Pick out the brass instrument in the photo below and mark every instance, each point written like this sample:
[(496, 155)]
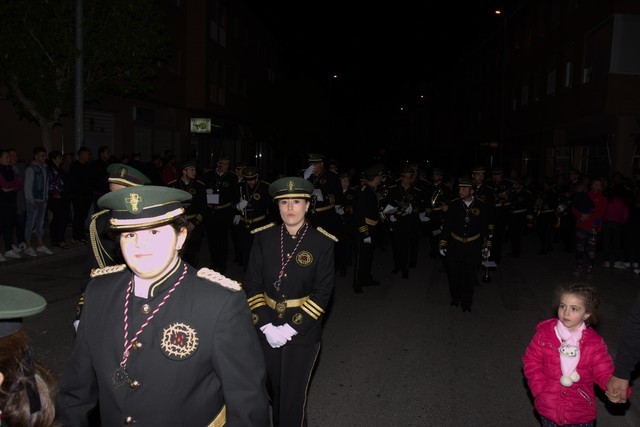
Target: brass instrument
[(243, 212), (486, 277)]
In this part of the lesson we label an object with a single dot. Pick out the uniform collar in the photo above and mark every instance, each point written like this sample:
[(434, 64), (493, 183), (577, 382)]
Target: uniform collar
[(166, 281)]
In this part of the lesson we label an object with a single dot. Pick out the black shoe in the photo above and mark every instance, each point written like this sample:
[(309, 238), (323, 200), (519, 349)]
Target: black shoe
[(405, 274), (395, 270), (455, 303), (357, 290), (466, 309), (372, 283)]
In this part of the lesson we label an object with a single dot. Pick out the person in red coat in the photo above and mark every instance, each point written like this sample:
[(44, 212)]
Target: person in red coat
[(588, 226), (565, 358)]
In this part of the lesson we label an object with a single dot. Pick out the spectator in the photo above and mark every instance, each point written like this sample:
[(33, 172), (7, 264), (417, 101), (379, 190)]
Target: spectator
[(10, 184), (58, 202), (588, 224), (614, 219), (36, 189), (81, 191), (136, 162), (99, 173), (21, 215), (153, 170)]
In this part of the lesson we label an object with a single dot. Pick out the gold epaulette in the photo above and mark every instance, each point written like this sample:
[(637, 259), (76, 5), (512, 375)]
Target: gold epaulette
[(264, 227), (171, 182), (326, 233), (97, 214), (108, 270), (200, 181), (453, 200), (214, 276)]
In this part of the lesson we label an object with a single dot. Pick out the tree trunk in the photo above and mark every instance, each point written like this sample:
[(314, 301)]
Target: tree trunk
[(46, 132)]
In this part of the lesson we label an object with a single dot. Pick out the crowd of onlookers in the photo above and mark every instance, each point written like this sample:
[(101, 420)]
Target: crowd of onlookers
[(56, 190)]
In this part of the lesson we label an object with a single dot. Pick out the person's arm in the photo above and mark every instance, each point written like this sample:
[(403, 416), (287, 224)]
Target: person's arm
[(533, 367), (253, 285), (627, 357), (239, 363), (79, 392)]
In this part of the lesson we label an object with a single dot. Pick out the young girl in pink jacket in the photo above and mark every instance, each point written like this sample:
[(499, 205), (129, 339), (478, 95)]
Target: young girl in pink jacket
[(565, 358)]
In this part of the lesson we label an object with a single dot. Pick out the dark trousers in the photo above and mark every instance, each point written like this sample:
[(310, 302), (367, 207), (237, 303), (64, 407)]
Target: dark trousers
[(516, 230), (463, 262), (7, 221), (288, 375), (81, 206), (217, 225), (402, 245), (364, 261), (59, 208), (21, 220), (544, 228), (500, 228)]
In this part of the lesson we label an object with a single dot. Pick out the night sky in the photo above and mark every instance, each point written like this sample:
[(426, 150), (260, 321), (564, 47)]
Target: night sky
[(386, 55)]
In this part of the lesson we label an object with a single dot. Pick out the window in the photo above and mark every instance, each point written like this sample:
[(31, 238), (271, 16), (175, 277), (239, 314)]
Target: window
[(568, 75)]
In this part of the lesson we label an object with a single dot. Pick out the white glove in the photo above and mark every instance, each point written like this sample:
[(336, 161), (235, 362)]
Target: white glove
[(241, 205), (392, 218), (389, 210), (287, 331), (236, 220), (443, 251), (367, 240), (409, 209), (274, 337), (308, 171), (423, 217), (488, 254), (339, 210), (75, 324)]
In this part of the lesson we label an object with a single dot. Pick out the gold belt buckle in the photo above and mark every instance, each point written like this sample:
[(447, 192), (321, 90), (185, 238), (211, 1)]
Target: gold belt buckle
[(281, 306)]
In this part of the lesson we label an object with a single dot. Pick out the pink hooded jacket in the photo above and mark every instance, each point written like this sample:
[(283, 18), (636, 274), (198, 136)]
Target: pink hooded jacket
[(565, 405)]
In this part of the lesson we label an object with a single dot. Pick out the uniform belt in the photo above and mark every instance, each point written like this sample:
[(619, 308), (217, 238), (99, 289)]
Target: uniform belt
[(325, 208), (369, 221), (252, 220), (217, 207), (465, 239), (437, 209), (503, 204), (520, 211), (221, 419), (290, 302), (547, 211)]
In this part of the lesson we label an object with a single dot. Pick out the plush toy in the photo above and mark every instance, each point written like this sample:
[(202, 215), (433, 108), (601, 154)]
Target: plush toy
[(569, 351)]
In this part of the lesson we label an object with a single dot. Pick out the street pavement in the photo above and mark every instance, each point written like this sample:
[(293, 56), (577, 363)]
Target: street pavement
[(399, 354)]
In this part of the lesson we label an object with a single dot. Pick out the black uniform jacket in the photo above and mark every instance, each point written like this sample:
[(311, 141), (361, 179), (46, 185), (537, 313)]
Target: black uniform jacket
[(196, 208), (464, 224), (309, 273), (198, 354)]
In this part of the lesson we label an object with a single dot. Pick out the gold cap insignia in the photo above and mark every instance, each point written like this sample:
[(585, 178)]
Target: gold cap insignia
[(290, 185), (132, 202), (122, 172)]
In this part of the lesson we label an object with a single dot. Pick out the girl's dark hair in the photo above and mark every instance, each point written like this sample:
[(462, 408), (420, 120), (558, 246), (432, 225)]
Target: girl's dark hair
[(178, 224), (589, 296), (25, 383)]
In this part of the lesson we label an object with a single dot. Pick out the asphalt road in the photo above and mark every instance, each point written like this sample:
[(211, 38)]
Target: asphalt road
[(398, 354)]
